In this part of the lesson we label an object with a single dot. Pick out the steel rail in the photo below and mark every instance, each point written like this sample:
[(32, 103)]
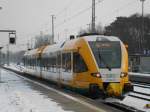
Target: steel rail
[(147, 99), (141, 93)]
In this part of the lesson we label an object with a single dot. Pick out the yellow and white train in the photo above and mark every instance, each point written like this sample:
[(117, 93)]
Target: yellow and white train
[(94, 64)]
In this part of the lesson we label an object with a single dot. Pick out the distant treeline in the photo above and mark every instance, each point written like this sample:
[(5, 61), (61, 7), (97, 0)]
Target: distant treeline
[(42, 40), (129, 30)]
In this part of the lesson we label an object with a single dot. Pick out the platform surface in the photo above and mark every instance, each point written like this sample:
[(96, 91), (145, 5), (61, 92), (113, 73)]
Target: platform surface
[(20, 95)]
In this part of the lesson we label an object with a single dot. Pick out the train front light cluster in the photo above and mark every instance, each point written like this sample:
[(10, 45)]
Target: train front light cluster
[(98, 75), (123, 74)]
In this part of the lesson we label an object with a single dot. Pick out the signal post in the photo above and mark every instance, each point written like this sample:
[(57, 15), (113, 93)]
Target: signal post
[(12, 40)]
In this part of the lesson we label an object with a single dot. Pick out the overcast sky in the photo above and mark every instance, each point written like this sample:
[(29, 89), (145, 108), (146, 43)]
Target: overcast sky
[(29, 17)]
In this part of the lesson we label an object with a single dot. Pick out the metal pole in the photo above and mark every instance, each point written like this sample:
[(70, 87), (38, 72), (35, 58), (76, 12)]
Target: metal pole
[(52, 29), (28, 45), (32, 41), (0, 65), (142, 28), (0, 62), (89, 27), (0, 57), (8, 55), (93, 16)]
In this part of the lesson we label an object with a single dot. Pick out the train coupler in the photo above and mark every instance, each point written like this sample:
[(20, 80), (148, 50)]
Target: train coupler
[(95, 91), (128, 87), (114, 89)]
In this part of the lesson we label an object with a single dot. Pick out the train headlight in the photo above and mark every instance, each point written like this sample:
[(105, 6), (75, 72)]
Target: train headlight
[(123, 74), (98, 75)]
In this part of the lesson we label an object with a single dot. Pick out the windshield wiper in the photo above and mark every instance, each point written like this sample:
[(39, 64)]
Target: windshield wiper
[(106, 65)]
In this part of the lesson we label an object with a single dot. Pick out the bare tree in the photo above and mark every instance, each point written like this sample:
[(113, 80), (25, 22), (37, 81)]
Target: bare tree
[(99, 30), (42, 40), (129, 30)]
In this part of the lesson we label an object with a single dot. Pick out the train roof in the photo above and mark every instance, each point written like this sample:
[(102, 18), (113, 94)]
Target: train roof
[(50, 49), (100, 38)]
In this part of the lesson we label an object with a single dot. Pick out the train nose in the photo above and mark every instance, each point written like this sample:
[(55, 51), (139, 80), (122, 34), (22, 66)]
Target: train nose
[(114, 89)]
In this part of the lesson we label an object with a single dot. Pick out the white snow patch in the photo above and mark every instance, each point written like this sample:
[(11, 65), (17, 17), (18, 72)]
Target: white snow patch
[(136, 103), (139, 74), (14, 67), (142, 90), (17, 96)]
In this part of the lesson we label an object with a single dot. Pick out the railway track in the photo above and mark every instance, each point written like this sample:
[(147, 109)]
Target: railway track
[(135, 94), (140, 95), (143, 93), (123, 107), (119, 106), (143, 85)]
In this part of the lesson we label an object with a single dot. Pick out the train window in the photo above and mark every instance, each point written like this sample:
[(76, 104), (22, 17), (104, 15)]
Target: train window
[(24, 61), (58, 62), (107, 54), (43, 63), (66, 62), (46, 63), (38, 62), (50, 64), (78, 63), (54, 64)]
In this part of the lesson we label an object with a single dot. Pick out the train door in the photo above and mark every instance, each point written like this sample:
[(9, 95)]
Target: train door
[(80, 70), (67, 72)]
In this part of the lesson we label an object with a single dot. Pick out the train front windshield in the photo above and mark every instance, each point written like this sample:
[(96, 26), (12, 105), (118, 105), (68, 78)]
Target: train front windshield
[(107, 53)]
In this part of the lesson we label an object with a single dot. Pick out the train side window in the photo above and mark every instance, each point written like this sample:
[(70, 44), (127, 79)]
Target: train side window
[(54, 63), (78, 63), (58, 64), (66, 62), (50, 64)]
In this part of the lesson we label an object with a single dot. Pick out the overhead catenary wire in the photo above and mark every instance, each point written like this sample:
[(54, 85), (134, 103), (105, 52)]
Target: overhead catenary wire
[(77, 14), (63, 10), (60, 13), (86, 9), (119, 9), (125, 6), (67, 7)]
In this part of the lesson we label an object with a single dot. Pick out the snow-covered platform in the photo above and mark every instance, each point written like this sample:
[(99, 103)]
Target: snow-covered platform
[(139, 77), (20, 94)]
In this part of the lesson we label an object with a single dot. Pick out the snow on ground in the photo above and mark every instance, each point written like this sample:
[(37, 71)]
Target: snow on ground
[(137, 103), (14, 67), (142, 90), (17, 96), (140, 74)]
